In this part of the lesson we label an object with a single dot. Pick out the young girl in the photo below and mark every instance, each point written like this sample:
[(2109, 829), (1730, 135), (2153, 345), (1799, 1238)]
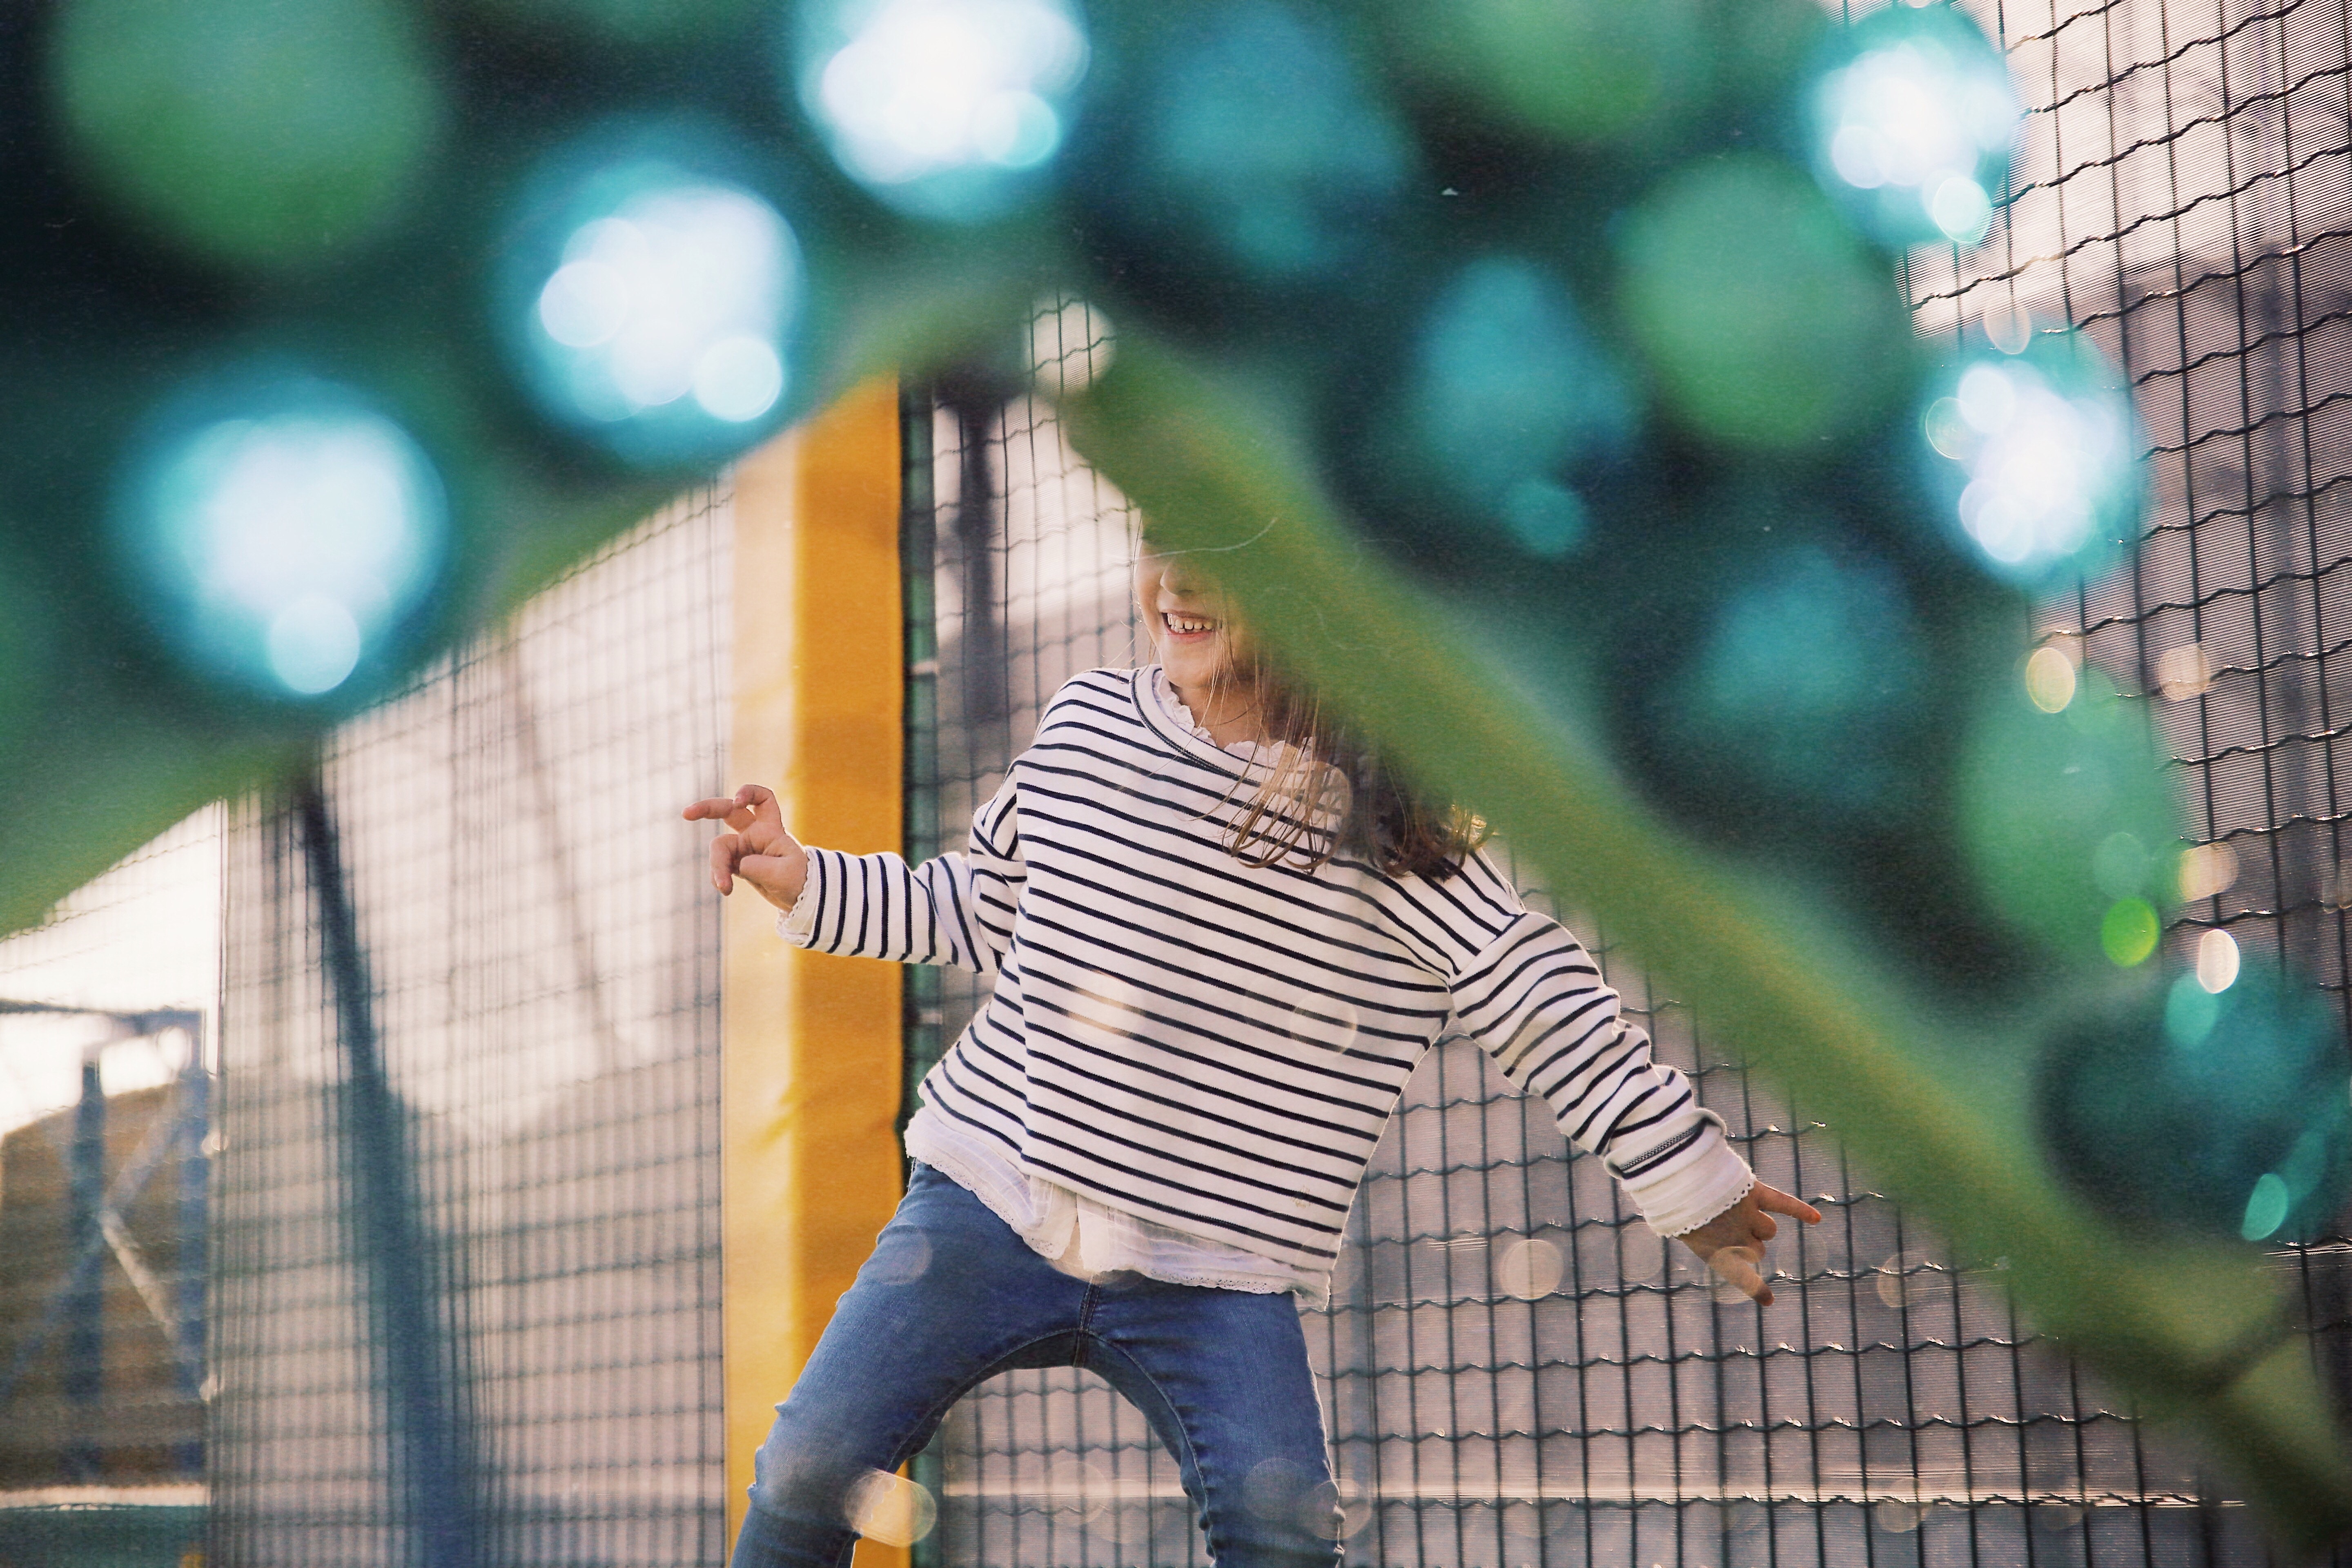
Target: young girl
[(1221, 937)]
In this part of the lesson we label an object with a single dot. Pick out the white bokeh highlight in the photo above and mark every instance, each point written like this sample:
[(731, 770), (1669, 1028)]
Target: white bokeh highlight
[(289, 543), (1914, 116), (925, 87), (683, 292), (2041, 463)]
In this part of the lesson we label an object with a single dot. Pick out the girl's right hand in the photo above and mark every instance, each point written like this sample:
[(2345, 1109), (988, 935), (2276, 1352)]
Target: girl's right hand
[(1732, 1243), (759, 850)]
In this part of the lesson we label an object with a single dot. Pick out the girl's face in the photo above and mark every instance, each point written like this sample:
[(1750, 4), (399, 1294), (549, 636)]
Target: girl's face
[(1191, 628)]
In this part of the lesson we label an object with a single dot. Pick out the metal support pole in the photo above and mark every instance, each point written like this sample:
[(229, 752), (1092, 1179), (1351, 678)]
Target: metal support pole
[(434, 1450), (195, 1231), (85, 1299), (977, 402), (918, 600)]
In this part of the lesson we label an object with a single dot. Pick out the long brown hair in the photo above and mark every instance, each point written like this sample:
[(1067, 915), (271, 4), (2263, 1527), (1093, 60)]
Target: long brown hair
[(1328, 792)]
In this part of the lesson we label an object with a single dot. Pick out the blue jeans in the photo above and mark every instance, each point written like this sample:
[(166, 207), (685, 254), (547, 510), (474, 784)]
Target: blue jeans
[(952, 1296)]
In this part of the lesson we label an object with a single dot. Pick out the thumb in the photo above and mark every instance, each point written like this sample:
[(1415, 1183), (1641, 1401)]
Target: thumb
[(1739, 1268)]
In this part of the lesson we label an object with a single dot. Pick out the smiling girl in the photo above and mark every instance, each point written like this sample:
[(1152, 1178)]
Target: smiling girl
[(1220, 935)]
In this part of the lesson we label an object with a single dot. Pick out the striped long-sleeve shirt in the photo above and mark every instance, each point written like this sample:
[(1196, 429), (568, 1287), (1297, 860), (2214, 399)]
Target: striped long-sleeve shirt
[(1214, 1045)]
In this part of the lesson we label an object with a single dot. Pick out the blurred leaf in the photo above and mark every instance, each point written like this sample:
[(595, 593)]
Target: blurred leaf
[(1936, 1107), (249, 133), (2056, 810), (1768, 323), (1580, 70), (2174, 1106)]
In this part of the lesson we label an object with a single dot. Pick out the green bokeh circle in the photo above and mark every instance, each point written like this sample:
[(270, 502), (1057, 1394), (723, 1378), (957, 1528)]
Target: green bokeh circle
[(1767, 322), (254, 134), (1580, 70), (2041, 798)]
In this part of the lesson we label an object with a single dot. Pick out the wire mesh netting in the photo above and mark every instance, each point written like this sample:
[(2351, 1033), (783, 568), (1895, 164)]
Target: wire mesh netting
[(107, 1016), (1515, 1370), (542, 981), (2184, 195)]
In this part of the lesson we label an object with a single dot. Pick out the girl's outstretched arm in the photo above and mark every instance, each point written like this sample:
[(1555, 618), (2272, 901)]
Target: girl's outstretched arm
[(1537, 1002), (955, 910), (1530, 994)]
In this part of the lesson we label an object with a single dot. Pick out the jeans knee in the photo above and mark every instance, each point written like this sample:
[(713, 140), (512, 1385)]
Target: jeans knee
[(799, 1471), (1287, 1515), (800, 1487)]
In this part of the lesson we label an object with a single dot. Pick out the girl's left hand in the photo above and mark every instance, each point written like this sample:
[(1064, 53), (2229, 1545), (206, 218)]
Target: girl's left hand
[(1732, 1243)]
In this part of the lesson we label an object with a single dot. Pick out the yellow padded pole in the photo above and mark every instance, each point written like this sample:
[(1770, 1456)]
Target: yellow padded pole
[(811, 1049)]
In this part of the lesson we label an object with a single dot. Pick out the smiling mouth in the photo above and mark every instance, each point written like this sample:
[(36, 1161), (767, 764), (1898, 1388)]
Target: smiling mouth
[(1180, 625)]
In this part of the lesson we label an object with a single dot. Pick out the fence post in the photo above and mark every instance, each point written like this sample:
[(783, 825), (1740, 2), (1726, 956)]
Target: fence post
[(85, 1304), (396, 1257), (812, 1051)]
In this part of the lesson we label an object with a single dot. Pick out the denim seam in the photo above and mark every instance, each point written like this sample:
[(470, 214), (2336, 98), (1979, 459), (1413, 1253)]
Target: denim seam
[(940, 1408), (1191, 1457), (1086, 1318)]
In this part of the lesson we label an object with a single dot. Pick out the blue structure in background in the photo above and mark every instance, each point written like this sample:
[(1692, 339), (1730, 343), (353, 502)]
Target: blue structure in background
[(84, 1298), (434, 1445), (101, 1397)]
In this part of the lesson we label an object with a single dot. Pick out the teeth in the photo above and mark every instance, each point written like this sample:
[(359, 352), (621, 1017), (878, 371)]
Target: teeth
[(1187, 623)]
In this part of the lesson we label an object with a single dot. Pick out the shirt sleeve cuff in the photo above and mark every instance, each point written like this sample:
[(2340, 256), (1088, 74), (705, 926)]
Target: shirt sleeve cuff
[(797, 926), (1708, 1178)]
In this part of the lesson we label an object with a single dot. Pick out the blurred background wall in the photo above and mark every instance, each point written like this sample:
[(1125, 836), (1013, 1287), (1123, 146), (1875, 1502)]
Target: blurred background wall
[(545, 972)]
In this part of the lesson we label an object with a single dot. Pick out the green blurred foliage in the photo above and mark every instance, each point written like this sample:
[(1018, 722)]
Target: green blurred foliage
[(1761, 51), (1507, 402), (1799, 698), (254, 136), (1786, 661), (1574, 70), (2244, 1093), (1767, 324), (620, 23), (2042, 798), (28, 640), (1241, 171)]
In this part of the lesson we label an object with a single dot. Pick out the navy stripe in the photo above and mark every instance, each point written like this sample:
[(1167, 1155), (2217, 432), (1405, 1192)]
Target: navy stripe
[(1665, 1151), (1188, 1217), (1194, 1108), (1261, 1079), (1151, 1037)]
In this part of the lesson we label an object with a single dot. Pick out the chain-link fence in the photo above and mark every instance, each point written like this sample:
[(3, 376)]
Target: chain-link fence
[(1515, 1370), (107, 1029), (518, 1031), (516, 1043), (2185, 195), (2185, 198)]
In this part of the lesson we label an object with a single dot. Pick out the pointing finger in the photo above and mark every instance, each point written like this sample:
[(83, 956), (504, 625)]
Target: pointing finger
[(704, 810), (1778, 1201)]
